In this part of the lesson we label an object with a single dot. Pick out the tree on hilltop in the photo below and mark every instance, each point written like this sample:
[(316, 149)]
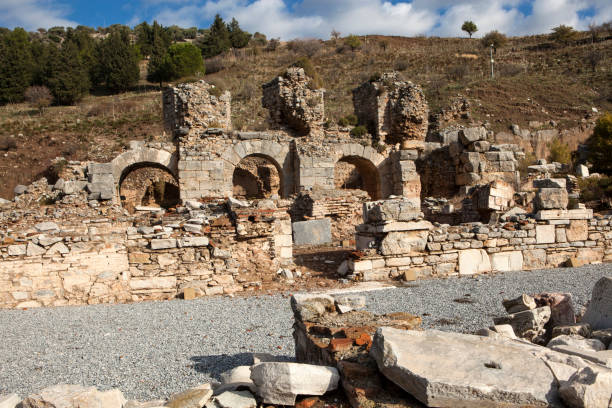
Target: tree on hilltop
[(238, 37), (494, 37), (563, 34), (600, 144), (469, 27), (65, 74), (217, 40)]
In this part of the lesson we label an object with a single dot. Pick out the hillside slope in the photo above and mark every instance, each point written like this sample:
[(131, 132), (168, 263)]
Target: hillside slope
[(535, 81)]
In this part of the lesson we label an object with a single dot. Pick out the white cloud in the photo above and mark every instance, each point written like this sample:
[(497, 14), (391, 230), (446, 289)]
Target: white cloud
[(316, 18), (33, 14)]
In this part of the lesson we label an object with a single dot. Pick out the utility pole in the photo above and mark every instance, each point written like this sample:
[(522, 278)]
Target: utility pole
[(492, 74)]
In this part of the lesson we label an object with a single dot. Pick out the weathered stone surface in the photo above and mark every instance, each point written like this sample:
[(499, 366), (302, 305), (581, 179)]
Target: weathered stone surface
[(193, 241), (46, 227), (346, 303), (74, 396), (605, 336), (191, 398), (545, 234), (534, 259), (458, 370), (582, 170), (474, 134), (580, 329), (577, 341), (507, 261), (9, 400), (575, 214), (551, 199), (588, 387), (34, 250), (561, 307), (163, 243), (308, 306), (20, 189), (528, 324), (519, 304), (238, 377), (312, 232), (473, 261), (599, 311), (404, 242), (578, 231), (234, 399), (281, 383), (17, 250), (403, 209)]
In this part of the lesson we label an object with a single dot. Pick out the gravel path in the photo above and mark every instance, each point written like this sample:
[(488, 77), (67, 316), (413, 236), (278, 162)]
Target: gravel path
[(152, 349)]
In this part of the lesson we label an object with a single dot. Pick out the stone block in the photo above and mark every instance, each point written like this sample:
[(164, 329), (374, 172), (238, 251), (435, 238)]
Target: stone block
[(578, 230), (587, 387), (599, 310), (444, 369), (281, 383), (551, 199), (534, 258), (470, 135), (575, 214), (473, 261), (157, 244), (159, 282), (528, 324), (194, 242), (507, 261), (545, 234), (17, 250), (9, 400), (404, 209), (582, 171), (312, 232), (405, 242)]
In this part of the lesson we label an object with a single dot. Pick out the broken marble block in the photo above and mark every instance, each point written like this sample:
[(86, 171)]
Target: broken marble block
[(588, 387), (402, 209), (599, 311), (528, 324), (308, 306), (74, 396), (443, 369), (519, 304), (551, 199), (281, 383)]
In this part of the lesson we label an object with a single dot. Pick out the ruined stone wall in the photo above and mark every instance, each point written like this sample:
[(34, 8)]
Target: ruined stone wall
[(465, 158), (107, 259), (550, 239)]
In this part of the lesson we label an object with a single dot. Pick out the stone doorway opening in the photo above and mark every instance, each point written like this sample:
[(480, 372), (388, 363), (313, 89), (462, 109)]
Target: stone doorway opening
[(148, 185), (357, 173), (257, 177)]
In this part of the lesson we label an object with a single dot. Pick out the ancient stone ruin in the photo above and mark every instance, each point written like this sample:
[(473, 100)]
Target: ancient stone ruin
[(218, 211)]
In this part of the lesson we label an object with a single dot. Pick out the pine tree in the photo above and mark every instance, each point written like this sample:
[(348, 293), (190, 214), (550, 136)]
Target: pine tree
[(217, 40), (65, 74), (238, 37), (185, 60), (16, 65), (159, 69), (117, 62)]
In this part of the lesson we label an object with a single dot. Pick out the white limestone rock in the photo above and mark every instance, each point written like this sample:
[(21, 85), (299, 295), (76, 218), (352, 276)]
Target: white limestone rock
[(599, 311), (281, 383), (34, 250), (238, 377), (443, 369), (588, 388), (235, 399), (472, 261), (347, 303), (75, 396), (191, 398), (307, 306), (528, 324), (576, 341), (9, 400)]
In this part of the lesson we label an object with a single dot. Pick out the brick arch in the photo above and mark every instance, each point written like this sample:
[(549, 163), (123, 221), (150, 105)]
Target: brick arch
[(144, 157), (275, 152)]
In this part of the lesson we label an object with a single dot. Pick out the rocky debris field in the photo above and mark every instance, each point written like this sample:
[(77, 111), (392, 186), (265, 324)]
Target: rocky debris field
[(151, 350)]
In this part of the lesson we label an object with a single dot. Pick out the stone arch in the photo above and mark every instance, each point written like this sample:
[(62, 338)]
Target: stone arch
[(146, 176), (257, 176), (356, 172), (144, 156), (278, 154), (148, 184)]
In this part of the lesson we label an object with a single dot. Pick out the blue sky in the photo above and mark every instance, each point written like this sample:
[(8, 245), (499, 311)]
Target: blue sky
[(289, 19)]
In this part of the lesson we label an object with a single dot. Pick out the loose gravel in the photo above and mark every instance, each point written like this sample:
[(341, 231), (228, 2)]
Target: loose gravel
[(150, 350)]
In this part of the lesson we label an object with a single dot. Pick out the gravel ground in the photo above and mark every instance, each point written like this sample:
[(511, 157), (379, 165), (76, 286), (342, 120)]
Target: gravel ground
[(152, 349)]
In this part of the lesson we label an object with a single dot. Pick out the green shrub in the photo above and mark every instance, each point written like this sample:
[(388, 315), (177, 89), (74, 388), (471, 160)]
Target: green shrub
[(494, 37), (563, 34), (309, 69), (593, 189), (559, 152), (353, 42), (352, 119), (359, 131), (600, 144)]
